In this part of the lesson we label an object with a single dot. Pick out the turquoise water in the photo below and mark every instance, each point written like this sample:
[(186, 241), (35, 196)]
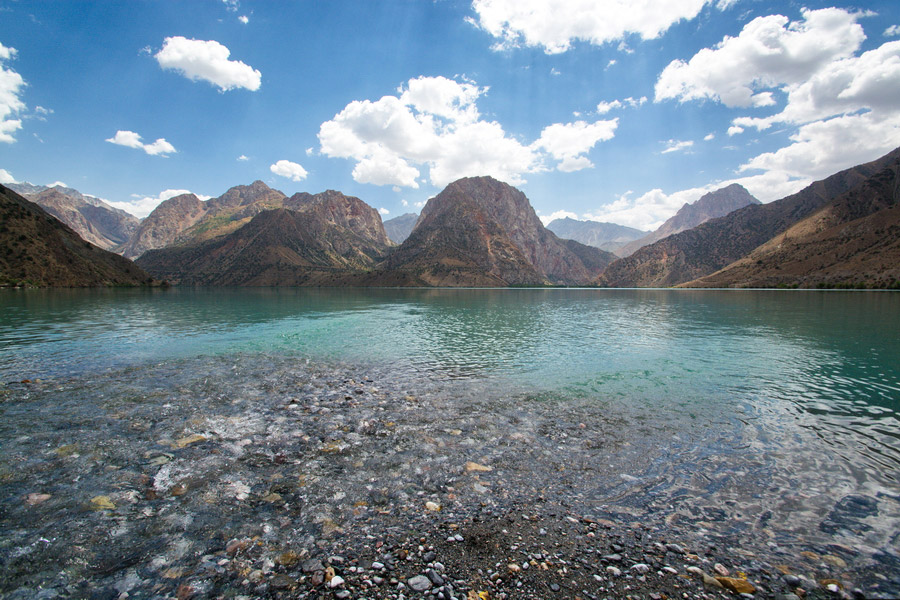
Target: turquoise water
[(830, 358), (774, 415)]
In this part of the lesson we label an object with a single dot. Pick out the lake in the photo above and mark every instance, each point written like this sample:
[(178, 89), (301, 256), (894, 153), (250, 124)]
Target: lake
[(768, 417)]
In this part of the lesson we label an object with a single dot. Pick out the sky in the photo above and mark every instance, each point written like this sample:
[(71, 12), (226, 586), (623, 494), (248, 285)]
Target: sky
[(611, 110)]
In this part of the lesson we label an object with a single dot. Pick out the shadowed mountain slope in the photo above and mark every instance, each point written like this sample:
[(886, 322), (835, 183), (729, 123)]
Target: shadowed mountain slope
[(854, 241), (38, 249), (705, 249)]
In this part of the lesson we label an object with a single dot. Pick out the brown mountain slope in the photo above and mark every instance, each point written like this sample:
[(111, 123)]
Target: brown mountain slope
[(853, 242), (481, 232), (705, 249), (710, 206), (277, 247), (91, 218), (38, 249), (186, 219), (348, 212)]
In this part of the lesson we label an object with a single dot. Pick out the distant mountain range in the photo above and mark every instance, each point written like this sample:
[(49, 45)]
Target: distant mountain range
[(399, 228), (37, 249), (606, 236), (843, 231)]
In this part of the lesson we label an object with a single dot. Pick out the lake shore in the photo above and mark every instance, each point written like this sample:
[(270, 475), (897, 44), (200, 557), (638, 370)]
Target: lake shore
[(267, 476)]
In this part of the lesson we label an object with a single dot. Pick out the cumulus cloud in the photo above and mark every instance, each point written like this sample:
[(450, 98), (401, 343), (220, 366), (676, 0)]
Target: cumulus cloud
[(11, 85), (383, 211), (132, 140), (207, 60), (243, 158), (6, 177), (768, 53), (244, 19), (569, 142), (142, 206), (677, 145), (291, 170), (554, 26), (839, 105), (433, 124), (892, 30)]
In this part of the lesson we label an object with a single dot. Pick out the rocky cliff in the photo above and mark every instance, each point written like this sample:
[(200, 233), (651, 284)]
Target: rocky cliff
[(710, 206), (38, 249), (705, 249), (331, 237), (186, 219), (480, 231)]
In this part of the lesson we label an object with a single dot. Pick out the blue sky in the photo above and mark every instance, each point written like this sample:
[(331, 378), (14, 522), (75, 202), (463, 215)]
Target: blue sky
[(612, 110)]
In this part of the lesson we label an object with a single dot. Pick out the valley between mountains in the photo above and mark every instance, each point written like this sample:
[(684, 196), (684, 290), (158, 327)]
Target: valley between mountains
[(840, 232)]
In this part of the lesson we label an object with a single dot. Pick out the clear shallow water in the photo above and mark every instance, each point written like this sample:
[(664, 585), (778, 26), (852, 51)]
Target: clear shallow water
[(754, 413)]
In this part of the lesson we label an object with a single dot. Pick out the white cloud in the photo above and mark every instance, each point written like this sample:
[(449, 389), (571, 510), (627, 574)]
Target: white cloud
[(568, 142), (840, 106), (383, 211), (244, 19), (6, 177), (57, 183), (433, 124), (231, 5), (243, 158), (768, 53), (892, 30), (11, 84), (555, 25), (677, 145), (605, 107), (291, 170), (144, 205), (709, 137), (207, 60), (132, 140)]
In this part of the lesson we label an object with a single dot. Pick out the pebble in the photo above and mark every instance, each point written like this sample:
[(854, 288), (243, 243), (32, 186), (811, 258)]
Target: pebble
[(614, 571), (641, 568), (336, 581), (419, 583)]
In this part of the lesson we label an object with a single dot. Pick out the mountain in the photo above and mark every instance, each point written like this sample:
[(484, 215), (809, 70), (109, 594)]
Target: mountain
[(705, 249), (710, 206), (38, 249), (854, 241), (91, 218), (481, 232), (325, 238), (606, 236), (186, 219), (399, 228)]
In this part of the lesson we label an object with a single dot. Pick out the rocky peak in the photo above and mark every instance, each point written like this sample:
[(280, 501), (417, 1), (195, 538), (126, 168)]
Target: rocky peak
[(243, 195)]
